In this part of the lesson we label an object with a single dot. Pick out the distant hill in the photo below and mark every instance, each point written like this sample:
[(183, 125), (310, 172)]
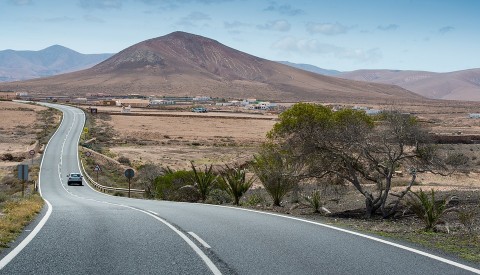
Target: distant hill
[(22, 65), (458, 85), (184, 64), (311, 68)]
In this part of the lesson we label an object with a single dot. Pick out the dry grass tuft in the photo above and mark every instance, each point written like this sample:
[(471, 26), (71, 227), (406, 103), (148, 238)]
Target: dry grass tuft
[(16, 215)]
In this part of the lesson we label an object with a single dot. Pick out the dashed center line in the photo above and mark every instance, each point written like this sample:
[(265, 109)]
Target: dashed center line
[(205, 244)]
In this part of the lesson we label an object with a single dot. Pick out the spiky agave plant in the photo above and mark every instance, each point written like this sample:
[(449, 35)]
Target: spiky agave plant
[(204, 180), (314, 200), (235, 182), (426, 208)]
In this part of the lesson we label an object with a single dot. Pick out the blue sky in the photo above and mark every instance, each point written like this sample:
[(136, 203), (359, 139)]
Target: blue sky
[(431, 35)]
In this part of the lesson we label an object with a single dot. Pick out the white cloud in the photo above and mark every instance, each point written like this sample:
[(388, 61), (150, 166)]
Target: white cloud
[(277, 25), (284, 9), (327, 28), (313, 46)]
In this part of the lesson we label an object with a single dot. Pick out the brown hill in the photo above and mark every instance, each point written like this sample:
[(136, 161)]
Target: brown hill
[(459, 85), (181, 64)]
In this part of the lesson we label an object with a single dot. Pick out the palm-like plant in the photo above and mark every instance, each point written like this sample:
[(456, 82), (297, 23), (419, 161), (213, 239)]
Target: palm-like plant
[(235, 182), (426, 208), (314, 200), (204, 180)]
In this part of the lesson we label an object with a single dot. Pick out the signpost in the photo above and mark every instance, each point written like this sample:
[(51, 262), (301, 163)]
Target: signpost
[(23, 175), (31, 153), (97, 169), (88, 153), (129, 173)]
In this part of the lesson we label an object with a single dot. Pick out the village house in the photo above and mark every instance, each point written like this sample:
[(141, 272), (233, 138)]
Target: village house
[(156, 102), (7, 95), (133, 102), (474, 115)]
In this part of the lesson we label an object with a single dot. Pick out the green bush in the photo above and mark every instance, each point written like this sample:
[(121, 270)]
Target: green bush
[(168, 184), (254, 199), (125, 161), (218, 196)]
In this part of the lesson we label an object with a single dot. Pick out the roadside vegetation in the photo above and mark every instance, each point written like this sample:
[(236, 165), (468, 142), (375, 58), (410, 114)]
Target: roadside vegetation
[(344, 168), (19, 202)]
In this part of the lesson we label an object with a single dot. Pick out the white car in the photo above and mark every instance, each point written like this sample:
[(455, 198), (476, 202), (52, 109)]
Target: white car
[(75, 178)]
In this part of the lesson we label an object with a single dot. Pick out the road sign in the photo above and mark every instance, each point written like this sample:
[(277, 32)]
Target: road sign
[(88, 153), (23, 175), (129, 173), (32, 152), (97, 168), (22, 171)]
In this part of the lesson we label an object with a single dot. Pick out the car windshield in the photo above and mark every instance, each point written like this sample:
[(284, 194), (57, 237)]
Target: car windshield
[(75, 175)]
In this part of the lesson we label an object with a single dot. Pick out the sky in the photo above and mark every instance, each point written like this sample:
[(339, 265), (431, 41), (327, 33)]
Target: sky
[(345, 35)]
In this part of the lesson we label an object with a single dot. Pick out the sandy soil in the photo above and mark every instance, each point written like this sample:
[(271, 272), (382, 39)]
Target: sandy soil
[(175, 138), (17, 130)]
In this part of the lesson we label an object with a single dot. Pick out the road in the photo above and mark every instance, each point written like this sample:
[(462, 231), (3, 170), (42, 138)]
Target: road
[(87, 232)]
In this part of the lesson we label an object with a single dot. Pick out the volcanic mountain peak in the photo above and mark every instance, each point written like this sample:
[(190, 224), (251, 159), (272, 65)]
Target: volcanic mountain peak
[(179, 52), (186, 64)]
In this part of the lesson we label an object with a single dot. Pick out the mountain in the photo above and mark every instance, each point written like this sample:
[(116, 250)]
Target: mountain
[(184, 64), (458, 85), (21, 65), (311, 68)]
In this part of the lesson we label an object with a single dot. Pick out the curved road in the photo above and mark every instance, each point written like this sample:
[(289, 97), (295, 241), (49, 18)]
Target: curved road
[(87, 232)]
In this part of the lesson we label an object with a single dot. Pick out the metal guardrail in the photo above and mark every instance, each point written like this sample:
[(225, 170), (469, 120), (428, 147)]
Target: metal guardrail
[(104, 189)]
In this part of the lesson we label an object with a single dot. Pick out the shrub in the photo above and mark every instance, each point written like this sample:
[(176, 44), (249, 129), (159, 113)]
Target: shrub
[(7, 157), (125, 161), (254, 200), (204, 181), (314, 200), (276, 171), (426, 208), (467, 218), (3, 197), (187, 193), (218, 196), (235, 182), (118, 194), (170, 182)]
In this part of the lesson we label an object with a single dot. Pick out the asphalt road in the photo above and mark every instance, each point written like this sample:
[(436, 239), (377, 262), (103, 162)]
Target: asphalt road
[(87, 232)]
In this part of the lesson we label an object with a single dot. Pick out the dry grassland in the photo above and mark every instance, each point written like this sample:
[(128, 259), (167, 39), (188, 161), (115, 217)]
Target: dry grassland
[(18, 131)]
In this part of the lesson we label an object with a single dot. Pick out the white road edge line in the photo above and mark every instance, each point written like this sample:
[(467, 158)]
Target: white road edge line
[(195, 248), (10, 256), (413, 250), (200, 240)]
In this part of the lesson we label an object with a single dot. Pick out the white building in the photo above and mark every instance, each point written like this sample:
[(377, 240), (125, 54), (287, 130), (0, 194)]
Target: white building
[(156, 102), (202, 98), (474, 115)]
